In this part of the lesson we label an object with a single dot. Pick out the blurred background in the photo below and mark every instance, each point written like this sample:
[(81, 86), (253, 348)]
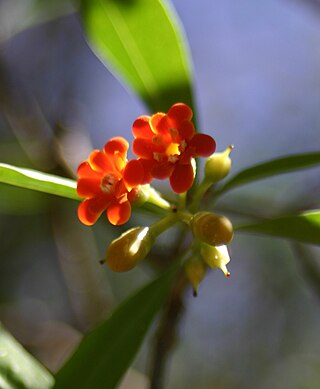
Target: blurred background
[(257, 82)]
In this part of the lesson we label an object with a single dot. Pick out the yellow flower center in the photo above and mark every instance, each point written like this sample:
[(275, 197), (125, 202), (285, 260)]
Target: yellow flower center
[(173, 149)]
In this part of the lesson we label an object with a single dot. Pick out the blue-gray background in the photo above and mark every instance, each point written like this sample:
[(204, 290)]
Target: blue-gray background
[(257, 81)]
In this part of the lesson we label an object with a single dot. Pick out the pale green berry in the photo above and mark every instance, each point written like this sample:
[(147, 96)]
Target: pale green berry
[(125, 252), (218, 166), (195, 269), (215, 230)]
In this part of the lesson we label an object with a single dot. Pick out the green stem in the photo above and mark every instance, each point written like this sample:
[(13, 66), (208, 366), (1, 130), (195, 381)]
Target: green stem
[(155, 198), (167, 333), (182, 200), (163, 224), (201, 190), (184, 216)]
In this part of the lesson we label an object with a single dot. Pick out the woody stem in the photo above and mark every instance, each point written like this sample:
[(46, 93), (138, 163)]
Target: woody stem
[(166, 334)]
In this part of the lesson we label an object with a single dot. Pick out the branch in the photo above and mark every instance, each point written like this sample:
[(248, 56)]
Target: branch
[(166, 335)]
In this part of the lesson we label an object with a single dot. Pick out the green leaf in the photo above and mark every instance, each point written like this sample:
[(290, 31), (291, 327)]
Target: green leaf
[(105, 354), (271, 168), (304, 227), (142, 42), (19, 201), (32, 179), (18, 369)]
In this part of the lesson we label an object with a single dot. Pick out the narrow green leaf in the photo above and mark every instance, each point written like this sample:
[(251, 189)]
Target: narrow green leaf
[(19, 201), (18, 369), (142, 41), (32, 179), (304, 227), (105, 354), (271, 168)]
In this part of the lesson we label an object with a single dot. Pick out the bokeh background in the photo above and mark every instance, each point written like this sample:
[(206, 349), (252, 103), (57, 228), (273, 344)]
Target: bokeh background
[(257, 82)]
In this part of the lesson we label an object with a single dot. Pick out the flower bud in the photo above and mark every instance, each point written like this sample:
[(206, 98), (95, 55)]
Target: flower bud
[(146, 193), (195, 269), (139, 195), (218, 166), (131, 247), (216, 257), (212, 229)]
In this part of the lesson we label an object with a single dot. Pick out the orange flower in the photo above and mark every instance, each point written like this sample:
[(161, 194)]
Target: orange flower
[(101, 183), (166, 144)]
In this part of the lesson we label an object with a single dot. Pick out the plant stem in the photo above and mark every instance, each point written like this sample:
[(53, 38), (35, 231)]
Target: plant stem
[(182, 200), (165, 338), (155, 198), (163, 224), (201, 190)]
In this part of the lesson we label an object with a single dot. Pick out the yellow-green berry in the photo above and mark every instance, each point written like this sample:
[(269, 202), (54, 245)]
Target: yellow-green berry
[(215, 230), (131, 247), (195, 269), (217, 166)]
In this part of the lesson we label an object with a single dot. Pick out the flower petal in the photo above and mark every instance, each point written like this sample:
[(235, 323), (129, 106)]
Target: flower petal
[(186, 130), (162, 170), (185, 157), (100, 162), (161, 125), (119, 161), (133, 173), (142, 148), (116, 144), (90, 210), (141, 128), (180, 112), (85, 171), (120, 189), (147, 165), (88, 187), (182, 178), (203, 144), (155, 120), (119, 212)]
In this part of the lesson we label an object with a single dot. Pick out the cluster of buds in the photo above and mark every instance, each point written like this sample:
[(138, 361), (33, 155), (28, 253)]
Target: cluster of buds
[(165, 145)]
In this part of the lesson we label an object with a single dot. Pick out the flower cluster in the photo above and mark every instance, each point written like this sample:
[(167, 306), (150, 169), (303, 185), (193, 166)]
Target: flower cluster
[(165, 145), (101, 182)]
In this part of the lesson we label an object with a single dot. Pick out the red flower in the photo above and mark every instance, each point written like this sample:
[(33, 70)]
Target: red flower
[(166, 144), (103, 186)]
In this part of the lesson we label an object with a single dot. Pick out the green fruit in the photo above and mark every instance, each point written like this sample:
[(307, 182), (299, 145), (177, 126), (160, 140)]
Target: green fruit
[(215, 230), (218, 166)]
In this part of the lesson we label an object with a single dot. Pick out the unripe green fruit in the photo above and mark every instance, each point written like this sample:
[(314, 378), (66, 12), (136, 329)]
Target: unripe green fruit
[(215, 230), (195, 269), (216, 257), (218, 166), (139, 195), (125, 252)]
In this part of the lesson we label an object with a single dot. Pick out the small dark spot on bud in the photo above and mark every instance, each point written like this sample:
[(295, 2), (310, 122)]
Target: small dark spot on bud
[(174, 209), (102, 261), (195, 293)]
